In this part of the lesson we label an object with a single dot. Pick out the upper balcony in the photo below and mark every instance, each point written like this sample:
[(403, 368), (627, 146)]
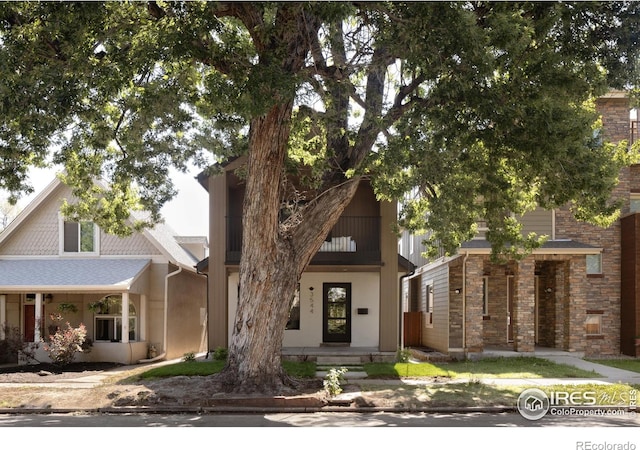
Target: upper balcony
[(354, 240)]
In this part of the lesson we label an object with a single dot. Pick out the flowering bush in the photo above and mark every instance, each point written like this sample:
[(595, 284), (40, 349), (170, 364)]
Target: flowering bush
[(65, 343)]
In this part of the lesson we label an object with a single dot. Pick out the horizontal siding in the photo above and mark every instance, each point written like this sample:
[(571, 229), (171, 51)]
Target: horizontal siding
[(539, 221), (436, 334)]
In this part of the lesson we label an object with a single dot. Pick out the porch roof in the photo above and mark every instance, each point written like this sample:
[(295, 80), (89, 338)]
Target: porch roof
[(73, 274), (565, 246)]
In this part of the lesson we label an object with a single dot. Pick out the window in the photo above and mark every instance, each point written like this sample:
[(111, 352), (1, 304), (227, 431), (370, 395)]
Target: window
[(485, 296), (594, 264), (108, 319), (634, 202), (294, 313), (79, 237), (428, 305), (593, 324)]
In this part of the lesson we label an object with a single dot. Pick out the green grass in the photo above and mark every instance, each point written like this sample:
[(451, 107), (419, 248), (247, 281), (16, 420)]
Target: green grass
[(520, 367), (625, 364), (204, 368)]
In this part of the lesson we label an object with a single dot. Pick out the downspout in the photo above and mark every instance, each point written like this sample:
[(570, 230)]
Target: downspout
[(166, 314), (464, 303)]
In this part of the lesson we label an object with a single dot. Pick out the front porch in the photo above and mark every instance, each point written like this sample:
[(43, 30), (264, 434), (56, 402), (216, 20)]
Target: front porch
[(524, 307)]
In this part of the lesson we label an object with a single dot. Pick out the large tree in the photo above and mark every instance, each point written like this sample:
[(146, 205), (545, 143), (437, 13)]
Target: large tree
[(463, 110)]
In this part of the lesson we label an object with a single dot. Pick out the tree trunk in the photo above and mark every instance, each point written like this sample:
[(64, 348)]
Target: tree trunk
[(272, 260)]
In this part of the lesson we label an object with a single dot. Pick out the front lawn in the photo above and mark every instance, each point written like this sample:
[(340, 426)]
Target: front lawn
[(204, 368), (517, 367), (625, 364)]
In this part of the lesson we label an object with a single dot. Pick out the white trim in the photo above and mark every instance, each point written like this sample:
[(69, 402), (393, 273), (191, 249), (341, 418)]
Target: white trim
[(125, 318), (142, 318), (38, 317)]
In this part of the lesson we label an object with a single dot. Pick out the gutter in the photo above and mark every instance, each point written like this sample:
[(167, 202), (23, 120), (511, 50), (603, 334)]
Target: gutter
[(166, 313)]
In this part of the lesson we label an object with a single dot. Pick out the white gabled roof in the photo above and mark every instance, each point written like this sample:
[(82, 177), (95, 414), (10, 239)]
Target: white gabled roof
[(70, 274)]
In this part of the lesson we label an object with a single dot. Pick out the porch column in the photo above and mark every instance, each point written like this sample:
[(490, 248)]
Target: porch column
[(3, 314), (473, 331), (142, 318), (125, 317), (524, 306), (576, 304), (38, 317)]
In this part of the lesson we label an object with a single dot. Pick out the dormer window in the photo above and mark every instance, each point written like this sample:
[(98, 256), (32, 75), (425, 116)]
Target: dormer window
[(78, 237)]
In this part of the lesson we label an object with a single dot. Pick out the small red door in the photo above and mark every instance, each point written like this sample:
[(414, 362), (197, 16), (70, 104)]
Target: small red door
[(29, 323)]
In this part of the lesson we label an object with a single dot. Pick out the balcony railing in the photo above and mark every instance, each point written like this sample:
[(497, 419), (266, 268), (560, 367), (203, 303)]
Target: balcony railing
[(353, 240)]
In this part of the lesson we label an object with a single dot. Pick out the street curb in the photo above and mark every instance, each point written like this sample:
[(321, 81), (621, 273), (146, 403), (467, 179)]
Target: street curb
[(257, 410)]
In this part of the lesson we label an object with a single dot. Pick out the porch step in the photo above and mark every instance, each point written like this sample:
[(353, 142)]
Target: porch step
[(353, 371), (338, 360)]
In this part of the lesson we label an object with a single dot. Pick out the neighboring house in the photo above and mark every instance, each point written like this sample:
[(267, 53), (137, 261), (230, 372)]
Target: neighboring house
[(131, 293), (357, 270), (579, 292)]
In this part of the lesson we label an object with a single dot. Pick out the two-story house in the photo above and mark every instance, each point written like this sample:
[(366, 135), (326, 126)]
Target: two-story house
[(131, 293), (349, 294), (578, 292)]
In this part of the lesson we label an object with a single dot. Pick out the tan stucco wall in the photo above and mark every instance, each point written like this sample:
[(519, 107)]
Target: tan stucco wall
[(186, 314)]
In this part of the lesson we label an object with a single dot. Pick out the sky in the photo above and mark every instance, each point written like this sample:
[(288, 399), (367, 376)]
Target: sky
[(187, 213)]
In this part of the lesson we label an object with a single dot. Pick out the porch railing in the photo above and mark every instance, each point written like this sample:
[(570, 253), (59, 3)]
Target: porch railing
[(353, 240)]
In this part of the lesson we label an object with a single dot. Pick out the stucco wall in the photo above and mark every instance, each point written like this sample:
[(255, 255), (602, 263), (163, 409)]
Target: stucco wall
[(186, 314), (365, 293)]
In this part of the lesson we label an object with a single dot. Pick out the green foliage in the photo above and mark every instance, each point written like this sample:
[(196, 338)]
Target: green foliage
[(486, 108), (189, 357), (65, 343), (220, 354), (403, 355), (67, 307), (333, 380), (632, 364), (517, 367)]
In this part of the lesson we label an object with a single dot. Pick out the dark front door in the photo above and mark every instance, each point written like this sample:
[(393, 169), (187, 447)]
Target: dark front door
[(29, 323), (336, 300)]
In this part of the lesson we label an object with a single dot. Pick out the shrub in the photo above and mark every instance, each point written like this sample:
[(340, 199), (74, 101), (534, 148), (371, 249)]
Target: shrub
[(13, 345), (189, 357), (333, 380), (65, 343), (403, 355), (220, 354)]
